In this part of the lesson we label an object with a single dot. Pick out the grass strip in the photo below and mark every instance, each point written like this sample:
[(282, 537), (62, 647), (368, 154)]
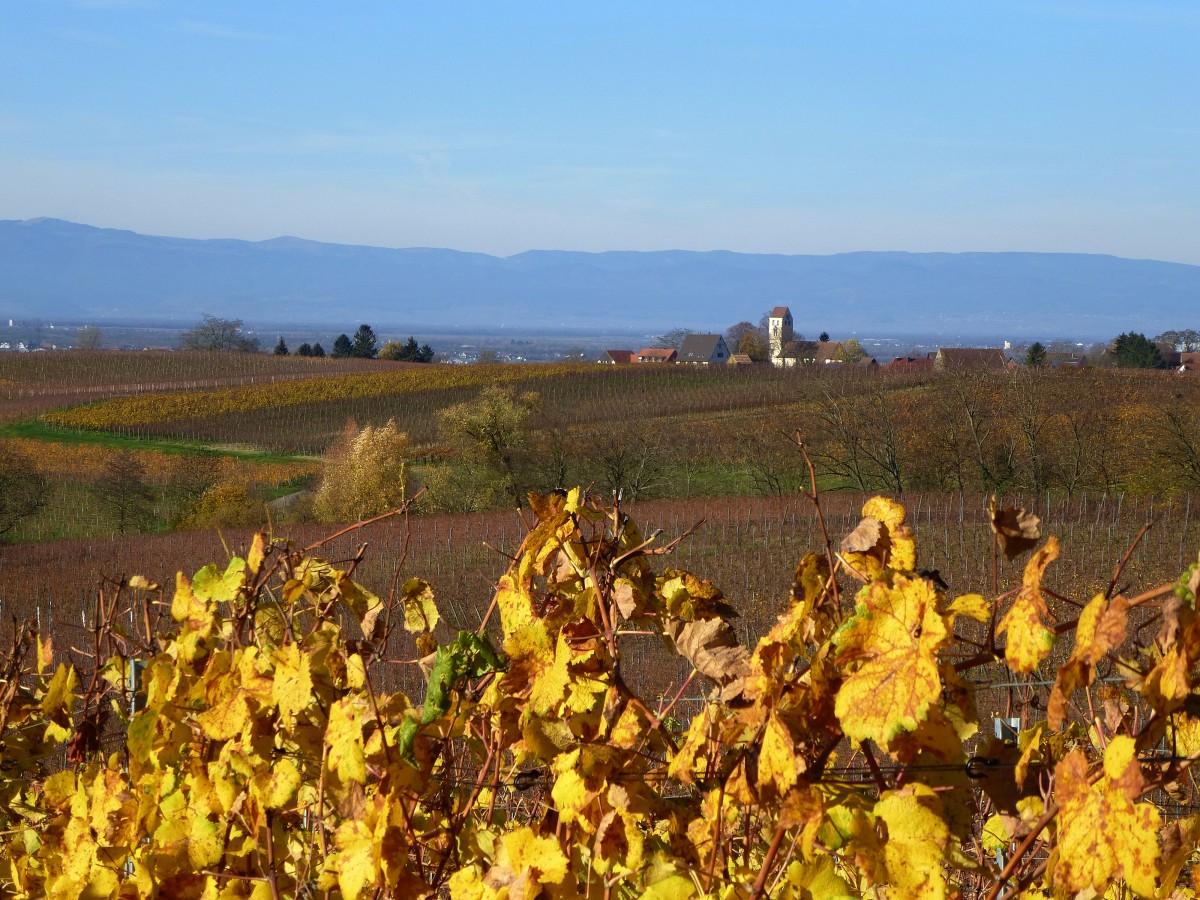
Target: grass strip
[(41, 431)]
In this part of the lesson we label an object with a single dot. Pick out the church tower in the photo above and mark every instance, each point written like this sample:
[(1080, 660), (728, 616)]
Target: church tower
[(779, 332)]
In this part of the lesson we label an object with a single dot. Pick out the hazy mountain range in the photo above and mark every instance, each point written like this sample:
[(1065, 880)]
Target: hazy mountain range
[(54, 270)]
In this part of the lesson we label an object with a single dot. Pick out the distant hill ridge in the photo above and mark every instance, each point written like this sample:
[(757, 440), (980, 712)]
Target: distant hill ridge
[(52, 269)]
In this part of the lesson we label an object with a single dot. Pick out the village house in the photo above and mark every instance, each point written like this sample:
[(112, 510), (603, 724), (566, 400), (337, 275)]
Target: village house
[(617, 357), (704, 350), (969, 359), (810, 353), (656, 355), (911, 364)]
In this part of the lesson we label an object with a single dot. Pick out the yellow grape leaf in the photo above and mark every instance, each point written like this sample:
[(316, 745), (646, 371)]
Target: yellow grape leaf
[(357, 859), (778, 764), (1029, 640), (973, 606), (420, 612), (1101, 629), (996, 833), (903, 554), (550, 684), (60, 694), (917, 843), (141, 583), (292, 687), (816, 880), (515, 604), (258, 552), (1103, 833), (1029, 742), (226, 719), (571, 793), (880, 540), (365, 605), (220, 587), (1169, 682), (278, 785), (188, 608), (1184, 735), (343, 736), (673, 887), (890, 645), (59, 789), (467, 884), (886, 510), (524, 854)]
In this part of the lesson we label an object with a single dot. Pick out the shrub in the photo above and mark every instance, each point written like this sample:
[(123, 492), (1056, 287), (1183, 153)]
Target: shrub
[(227, 504), (363, 474)]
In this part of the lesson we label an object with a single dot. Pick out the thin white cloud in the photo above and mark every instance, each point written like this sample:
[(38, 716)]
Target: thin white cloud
[(208, 29)]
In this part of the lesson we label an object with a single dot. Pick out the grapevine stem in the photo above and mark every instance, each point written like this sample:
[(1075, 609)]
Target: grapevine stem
[(761, 882)]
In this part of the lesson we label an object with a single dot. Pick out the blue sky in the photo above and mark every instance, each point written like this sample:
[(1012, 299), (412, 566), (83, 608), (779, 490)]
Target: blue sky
[(798, 127)]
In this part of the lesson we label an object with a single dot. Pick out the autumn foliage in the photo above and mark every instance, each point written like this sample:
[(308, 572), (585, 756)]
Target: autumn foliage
[(845, 755)]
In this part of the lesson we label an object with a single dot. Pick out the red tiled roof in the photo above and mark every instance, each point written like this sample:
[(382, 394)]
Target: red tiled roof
[(656, 354), (620, 356)]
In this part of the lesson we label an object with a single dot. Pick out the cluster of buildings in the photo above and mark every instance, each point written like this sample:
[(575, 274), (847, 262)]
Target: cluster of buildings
[(784, 350), (698, 349)]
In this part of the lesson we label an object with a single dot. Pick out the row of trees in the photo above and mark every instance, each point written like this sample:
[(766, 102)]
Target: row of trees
[(364, 346), (1129, 350), (215, 333)]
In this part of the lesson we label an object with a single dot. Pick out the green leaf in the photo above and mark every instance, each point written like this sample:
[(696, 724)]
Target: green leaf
[(211, 584)]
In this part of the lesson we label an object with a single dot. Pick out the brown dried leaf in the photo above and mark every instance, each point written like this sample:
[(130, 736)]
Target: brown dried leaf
[(712, 647), (1017, 529), (1176, 615), (865, 537)]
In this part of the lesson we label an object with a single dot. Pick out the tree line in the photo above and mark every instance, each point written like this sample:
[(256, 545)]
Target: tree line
[(216, 333)]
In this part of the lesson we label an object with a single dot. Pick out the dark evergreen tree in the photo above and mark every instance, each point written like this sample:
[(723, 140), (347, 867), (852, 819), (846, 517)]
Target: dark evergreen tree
[(824, 336), (1133, 350), (304, 349), (318, 350), (364, 343), (281, 349), (342, 347), (1035, 355)]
